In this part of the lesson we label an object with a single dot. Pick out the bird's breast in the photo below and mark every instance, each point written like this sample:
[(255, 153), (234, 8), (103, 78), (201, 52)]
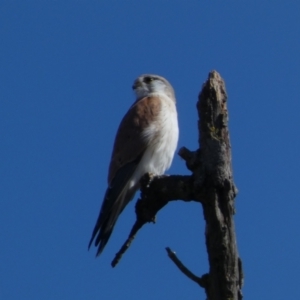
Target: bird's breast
[(162, 136)]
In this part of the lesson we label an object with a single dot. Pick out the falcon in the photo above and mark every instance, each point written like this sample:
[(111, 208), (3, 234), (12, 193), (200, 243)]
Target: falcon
[(146, 141)]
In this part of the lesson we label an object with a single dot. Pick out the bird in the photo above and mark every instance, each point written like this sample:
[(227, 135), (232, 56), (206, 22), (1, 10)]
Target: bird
[(145, 142)]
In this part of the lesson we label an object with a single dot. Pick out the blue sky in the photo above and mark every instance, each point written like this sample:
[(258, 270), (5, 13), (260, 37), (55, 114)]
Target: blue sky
[(66, 73)]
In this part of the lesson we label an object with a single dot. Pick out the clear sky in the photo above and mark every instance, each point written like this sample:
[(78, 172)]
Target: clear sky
[(66, 70)]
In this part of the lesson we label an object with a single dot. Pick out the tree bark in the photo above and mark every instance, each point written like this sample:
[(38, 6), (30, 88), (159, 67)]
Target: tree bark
[(215, 187), (211, 184)]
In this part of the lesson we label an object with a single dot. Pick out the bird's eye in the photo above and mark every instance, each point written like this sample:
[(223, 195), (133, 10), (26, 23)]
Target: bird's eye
[(148, 79)]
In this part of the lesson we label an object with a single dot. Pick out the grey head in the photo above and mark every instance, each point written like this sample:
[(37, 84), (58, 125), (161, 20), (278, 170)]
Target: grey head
[(152, 84)]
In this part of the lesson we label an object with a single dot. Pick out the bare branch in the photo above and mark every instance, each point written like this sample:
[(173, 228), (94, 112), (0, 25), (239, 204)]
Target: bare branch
[(137, 225), (202, 281), (156, 192)]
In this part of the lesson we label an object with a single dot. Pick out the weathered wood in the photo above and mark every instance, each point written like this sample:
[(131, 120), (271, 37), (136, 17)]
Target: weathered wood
[(215, 187)]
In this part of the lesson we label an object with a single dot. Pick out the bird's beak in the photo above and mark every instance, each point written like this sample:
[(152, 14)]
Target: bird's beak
[(136, 84)]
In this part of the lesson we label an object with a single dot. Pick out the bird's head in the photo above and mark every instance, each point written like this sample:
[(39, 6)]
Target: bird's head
[(152, 84)]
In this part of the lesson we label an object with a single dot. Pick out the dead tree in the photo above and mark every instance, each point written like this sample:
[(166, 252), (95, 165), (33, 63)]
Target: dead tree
[(211, 184)]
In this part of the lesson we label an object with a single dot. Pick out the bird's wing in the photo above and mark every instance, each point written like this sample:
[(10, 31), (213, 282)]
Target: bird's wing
[(131, 140), (129, 147)]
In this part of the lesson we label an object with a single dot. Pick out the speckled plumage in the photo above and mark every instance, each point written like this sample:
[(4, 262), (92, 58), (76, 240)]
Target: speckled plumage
[(145, 142)]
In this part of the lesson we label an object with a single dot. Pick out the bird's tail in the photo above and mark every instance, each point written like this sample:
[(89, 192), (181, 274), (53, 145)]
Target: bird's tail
[(109, 213), (106, 221), (117, 196)]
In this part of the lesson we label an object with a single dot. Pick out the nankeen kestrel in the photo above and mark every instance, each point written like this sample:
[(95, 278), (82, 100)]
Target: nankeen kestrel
[(145, 142)]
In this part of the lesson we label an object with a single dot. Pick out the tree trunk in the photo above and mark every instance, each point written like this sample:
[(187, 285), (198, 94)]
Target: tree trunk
[(215, 187)]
